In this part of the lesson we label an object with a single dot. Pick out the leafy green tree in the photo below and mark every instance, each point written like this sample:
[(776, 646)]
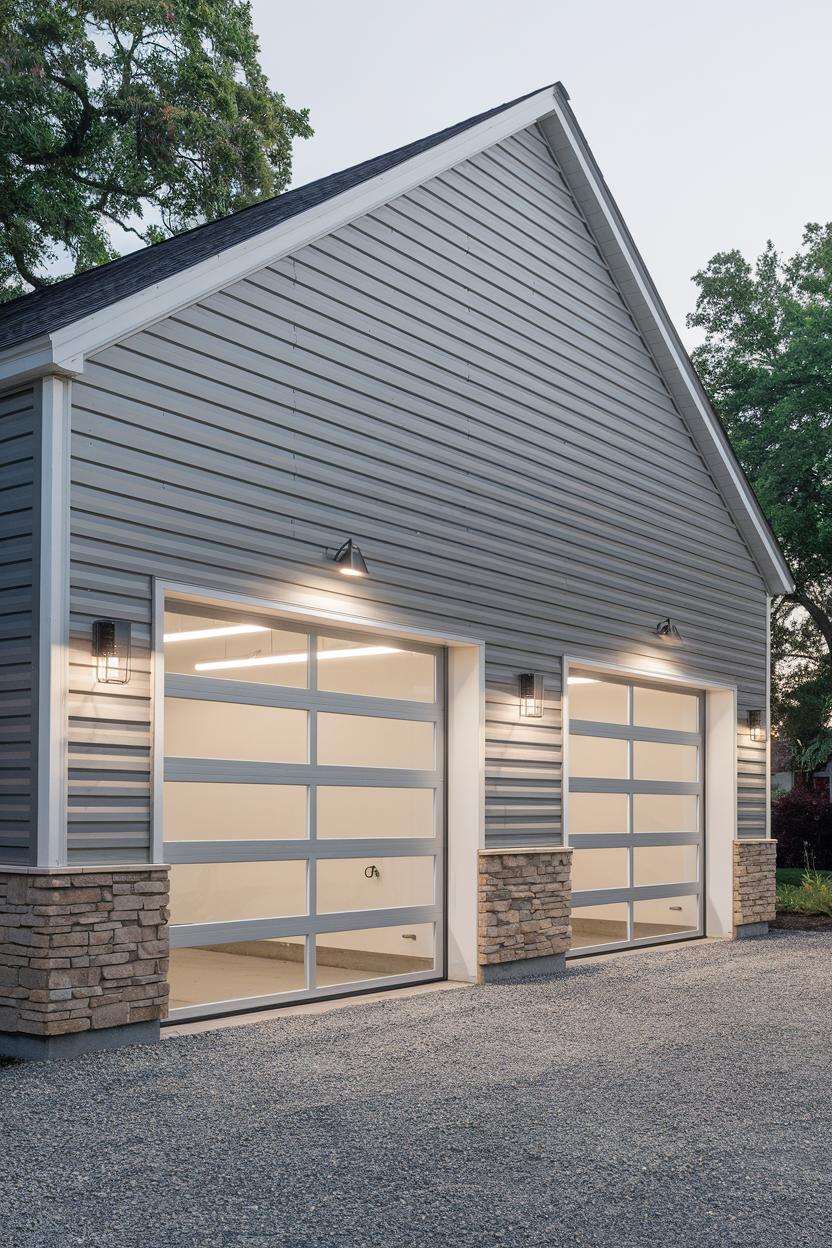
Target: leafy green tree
[(116, 111), (766, 362)]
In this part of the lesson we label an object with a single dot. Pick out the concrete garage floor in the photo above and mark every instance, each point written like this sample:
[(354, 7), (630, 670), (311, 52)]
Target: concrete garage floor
[(679, 1096)]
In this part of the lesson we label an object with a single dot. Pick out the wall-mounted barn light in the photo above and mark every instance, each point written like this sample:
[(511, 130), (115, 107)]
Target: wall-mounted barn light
[(667, 631), (756, 725), (349, 559), (531, 695), (111, 651)]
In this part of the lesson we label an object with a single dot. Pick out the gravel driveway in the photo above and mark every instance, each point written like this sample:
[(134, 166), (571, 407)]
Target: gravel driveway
[(679, 1097)]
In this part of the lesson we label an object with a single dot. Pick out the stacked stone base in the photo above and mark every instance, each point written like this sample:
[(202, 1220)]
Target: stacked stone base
[(755, 887), (83, 959), (524, 905)]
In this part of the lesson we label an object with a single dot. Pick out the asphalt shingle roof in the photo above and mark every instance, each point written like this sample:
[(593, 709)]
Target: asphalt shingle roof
[(52, 307)]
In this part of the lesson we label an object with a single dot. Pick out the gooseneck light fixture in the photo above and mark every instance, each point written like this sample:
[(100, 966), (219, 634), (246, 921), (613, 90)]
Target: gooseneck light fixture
[(531, 695), (111, 651), (756, 725), (667, 631), (349, 559)]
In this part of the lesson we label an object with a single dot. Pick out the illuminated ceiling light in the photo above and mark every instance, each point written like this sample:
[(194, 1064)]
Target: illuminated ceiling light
[(756, 725), (582, 680), (349, 559), (111, 651), (200, 634), (272, 660), (531, 695), (667, 631)]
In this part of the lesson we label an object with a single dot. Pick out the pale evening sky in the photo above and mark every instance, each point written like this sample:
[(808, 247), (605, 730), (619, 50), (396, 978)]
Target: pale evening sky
[(710, 120)]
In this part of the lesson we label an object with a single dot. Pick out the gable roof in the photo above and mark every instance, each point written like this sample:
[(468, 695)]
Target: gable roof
[(52, 330), (67, 301)]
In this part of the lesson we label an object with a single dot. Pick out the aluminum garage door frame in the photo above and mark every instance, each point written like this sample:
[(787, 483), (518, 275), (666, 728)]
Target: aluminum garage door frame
[(312, 850)]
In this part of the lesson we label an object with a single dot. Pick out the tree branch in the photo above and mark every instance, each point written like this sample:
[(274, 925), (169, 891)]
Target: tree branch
[(818, 615)]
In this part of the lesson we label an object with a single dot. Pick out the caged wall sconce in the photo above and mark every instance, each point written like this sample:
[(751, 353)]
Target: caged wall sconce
[(531, 695), (111, 651), (756, 725)]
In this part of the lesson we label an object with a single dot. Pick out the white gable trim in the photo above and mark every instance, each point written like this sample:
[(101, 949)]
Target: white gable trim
[(65, 350)]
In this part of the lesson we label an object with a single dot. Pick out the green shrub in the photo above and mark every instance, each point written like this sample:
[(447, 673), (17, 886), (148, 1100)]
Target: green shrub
[(813, 895)]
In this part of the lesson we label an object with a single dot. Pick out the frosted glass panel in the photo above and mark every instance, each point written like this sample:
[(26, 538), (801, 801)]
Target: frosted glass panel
[(597, 812), (601, 757), (230, 647), (665, 864), (599, 925), (599, 868), (202, 811), (365, 741), (653, 812), (249, 968), (374, 953), (374, 883), (665, 916), (359, 812), (655, 761), (261, 734), (599, 700), (660, 708), (219, 892), (375, 670)]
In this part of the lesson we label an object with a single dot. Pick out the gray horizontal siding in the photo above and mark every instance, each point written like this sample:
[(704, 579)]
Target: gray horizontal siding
[(455, 381), (18, 593)]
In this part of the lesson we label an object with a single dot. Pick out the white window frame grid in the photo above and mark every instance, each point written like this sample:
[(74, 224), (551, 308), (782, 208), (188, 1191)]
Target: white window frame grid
[(311, 775), (630, 840)]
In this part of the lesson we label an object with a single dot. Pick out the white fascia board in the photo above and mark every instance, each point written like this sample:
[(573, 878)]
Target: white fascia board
[(624, 261), (70, 344), (25, 362)]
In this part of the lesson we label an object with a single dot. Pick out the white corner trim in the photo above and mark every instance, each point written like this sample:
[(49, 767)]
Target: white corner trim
[(53, 622), (781, 581), (721, 800), (98, 330)]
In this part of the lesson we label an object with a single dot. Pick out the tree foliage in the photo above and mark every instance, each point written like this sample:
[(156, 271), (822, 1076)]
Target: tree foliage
[(152, 115), (766, 362)]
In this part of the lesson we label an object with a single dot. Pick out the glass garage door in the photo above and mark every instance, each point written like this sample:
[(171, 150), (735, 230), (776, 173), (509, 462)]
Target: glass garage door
[(635, 812), (302, 810)]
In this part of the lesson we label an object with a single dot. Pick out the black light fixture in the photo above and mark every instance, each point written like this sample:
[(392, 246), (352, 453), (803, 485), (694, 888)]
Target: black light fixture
[(531, 695), (349, 559), (667, 631), (756, 725), (111, 651)]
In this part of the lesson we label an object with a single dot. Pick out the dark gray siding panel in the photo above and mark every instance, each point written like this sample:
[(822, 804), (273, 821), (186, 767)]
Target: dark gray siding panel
[(18, 596), (455, 381)]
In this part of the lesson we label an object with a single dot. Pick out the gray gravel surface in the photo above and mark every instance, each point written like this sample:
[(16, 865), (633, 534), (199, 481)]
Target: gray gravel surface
[(674, 1097)]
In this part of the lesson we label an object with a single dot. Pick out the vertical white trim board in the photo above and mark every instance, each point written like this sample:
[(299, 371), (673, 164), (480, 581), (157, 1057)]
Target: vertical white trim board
[(53, 623)]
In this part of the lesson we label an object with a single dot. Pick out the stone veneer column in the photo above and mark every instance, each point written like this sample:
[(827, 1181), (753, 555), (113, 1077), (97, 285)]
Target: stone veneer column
[(755, 886), (83, 958), (524, 906)]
